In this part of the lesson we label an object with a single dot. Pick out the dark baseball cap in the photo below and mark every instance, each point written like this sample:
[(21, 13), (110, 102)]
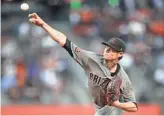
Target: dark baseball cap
[(116, 43)]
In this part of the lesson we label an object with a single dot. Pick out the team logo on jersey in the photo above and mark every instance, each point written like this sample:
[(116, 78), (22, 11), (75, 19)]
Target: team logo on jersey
[(103, 82), (77, 49)]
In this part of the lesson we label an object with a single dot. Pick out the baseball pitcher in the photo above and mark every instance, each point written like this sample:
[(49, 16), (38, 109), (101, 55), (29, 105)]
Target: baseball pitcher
[(108, 83)]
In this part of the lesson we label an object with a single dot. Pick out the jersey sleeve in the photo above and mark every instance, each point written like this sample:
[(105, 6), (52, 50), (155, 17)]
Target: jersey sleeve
[(80, 56), (127, 89), (128, 92)]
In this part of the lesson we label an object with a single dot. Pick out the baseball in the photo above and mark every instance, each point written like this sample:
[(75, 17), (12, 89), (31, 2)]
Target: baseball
[(24, 6)]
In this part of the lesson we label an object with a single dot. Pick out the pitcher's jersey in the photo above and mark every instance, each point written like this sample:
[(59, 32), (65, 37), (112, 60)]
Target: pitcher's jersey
[(99, 75)]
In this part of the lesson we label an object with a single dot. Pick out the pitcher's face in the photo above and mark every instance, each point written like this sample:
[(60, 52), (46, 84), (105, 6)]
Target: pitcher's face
[(111, 54)]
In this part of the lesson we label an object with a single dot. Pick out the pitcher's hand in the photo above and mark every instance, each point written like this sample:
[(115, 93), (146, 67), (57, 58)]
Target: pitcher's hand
[(35, 19)]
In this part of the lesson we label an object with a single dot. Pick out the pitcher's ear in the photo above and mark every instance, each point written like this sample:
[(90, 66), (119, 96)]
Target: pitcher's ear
[(121, 54)]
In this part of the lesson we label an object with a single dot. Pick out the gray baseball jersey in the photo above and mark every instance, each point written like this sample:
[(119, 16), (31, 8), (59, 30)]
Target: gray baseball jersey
[(99, 77)]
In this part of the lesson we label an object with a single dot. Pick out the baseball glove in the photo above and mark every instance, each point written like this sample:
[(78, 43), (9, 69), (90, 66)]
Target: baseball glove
[(113, 90)]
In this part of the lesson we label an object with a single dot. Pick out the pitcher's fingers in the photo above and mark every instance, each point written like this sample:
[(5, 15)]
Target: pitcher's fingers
[(32, 15), (35, 15), (32, 20)]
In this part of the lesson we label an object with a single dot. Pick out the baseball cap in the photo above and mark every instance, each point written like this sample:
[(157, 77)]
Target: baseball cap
[(116, 43)]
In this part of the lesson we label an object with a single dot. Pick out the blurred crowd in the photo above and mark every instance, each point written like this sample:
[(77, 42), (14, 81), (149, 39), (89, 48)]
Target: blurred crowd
[(35, 69)]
